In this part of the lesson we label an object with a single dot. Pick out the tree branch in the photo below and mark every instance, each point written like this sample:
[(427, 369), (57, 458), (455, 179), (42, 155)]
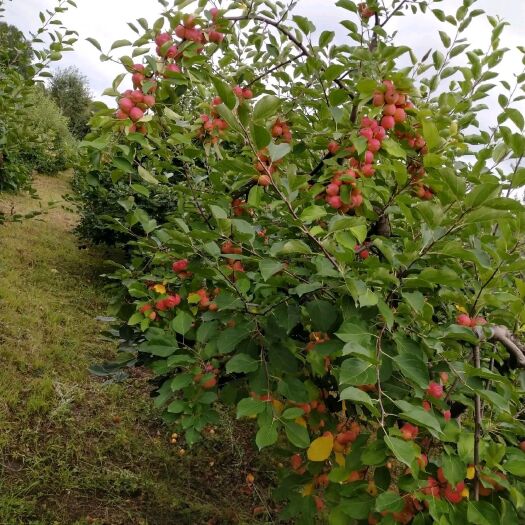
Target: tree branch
[(287, 33), (504, 336), (393, 13), (277, 66), (477, 426)]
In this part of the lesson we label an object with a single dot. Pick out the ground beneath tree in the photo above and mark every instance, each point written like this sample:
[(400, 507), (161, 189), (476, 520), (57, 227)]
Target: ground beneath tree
[(75, 449)]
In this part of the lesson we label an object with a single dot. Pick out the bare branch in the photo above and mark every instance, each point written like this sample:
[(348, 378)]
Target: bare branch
[(504, 336)]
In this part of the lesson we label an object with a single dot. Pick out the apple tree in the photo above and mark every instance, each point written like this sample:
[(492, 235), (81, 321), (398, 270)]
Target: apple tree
[(344, 264)]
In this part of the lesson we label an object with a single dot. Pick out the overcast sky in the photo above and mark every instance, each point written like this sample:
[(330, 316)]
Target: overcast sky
[(106, 21)]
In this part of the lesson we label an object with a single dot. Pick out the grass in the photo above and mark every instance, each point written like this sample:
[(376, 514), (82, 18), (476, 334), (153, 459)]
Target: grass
[(75, 449)]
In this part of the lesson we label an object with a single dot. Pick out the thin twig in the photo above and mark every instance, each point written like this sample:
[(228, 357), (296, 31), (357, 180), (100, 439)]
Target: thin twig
[(290, 36), (378, 375), (477, 427), (276, 67), (393, 13)]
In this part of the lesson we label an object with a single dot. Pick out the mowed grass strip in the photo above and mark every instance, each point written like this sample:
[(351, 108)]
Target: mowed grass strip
[(75, 449)]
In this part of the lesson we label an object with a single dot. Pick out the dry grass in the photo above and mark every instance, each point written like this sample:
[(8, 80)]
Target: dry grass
[(73, 449)]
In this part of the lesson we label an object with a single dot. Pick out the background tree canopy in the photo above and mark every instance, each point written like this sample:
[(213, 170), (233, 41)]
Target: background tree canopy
[(69, 88), (15, 50)]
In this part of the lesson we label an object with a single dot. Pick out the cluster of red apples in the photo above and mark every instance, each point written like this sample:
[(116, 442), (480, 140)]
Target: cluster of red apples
[(214, 126), (133, 104), (471, 322)]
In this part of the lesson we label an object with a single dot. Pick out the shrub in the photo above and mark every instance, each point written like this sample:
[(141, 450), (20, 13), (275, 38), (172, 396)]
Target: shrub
[(52, 146), (106, 207), (18, 136), (69, 88), (345, 263)]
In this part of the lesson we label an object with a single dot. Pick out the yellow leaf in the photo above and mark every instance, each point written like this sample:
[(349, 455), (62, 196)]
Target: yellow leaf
[(308, 489), (301, 421), (461, 309), (160, 288), (320, 448), (471, 472), (340, 459), (277, 406), (465, 492)]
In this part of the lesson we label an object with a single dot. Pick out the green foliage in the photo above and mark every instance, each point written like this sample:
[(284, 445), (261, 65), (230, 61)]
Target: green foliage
[(103, 443), (69, 88), (105, 207), (17, 84), (49, 146), (15, 50), (319, 291)]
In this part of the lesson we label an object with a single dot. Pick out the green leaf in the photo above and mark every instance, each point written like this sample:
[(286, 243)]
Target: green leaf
[(297, 434), (250, 407), (431, 134), (120, 43), (182, 322), (516, 467), (393, 148), (444, 38), (226, 113), (482, 513), (292, 413), (418, 415), (455, 183), (366, 86), (242, 363), (231, 337), (390, 501), (516, 117), (333, 71), (176, 407), (453, 468), (375, 453), (336, 97), (356, 507), (313, 213), (303, 23), (218, 212), (147, 176), (224, 91), (243, 230), (266, 107), (122, 164), (323, 315), (269, 267), (303, 289), (261, 136), (278, 151), (95, 43), (325, 38), (416, 300), (481, 193), (413, 368), (358, 396), (505, 203), (266, 436), (466, 447), (181, 381), (357, 372), (484, 214), (288, 247), (404, 451)]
